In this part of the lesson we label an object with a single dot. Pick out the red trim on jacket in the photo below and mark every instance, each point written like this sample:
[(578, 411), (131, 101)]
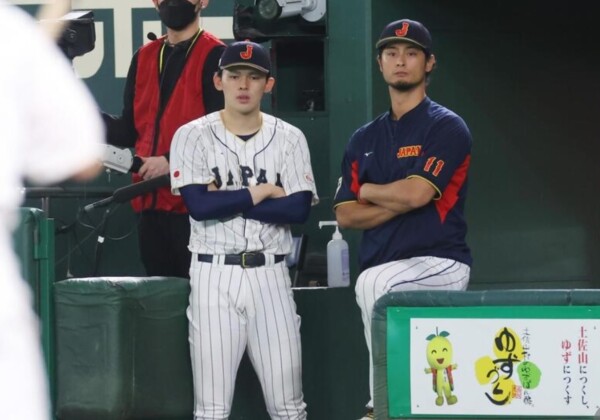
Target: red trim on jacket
[(450, 194), (185, 104)]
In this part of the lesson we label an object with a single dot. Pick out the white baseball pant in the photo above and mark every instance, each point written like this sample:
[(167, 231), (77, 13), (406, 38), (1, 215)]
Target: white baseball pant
[(233, 309), (418, 273)]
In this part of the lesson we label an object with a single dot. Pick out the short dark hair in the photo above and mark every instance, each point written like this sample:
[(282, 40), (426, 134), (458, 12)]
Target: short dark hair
[(219, 73), (383, 47)]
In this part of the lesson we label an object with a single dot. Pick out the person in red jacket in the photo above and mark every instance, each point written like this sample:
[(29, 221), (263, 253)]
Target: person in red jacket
[(169, 83)]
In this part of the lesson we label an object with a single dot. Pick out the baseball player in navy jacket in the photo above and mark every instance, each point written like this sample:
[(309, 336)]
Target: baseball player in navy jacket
[(404, 182)]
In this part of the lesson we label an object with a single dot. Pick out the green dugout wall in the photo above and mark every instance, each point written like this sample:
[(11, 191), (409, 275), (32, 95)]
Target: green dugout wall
[(522, 74)]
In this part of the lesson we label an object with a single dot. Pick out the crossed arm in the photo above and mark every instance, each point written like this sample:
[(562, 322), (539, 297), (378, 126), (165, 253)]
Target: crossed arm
[(380, 203), (264, 202)]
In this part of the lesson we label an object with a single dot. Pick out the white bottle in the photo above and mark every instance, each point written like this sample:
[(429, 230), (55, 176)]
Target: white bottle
[(338, 268)]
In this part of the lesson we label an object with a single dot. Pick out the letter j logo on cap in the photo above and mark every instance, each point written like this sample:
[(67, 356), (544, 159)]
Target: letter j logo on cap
[(246, 55), (402, 31)]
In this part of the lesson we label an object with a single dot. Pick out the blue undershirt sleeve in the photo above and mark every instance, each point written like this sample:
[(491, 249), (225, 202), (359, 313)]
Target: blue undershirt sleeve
[(293, 208), (207, 205)]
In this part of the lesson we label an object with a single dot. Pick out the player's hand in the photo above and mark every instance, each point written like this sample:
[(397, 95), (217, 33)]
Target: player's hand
[(359, 195), (277, 192), (153, 166), (263, 191)]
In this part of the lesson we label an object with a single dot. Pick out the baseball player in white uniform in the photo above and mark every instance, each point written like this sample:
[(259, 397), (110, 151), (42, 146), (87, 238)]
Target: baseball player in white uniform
[(51, 130), (245, 176)]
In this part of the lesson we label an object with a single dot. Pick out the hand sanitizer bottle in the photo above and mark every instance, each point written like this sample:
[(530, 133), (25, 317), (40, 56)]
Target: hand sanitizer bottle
[(338, 268)]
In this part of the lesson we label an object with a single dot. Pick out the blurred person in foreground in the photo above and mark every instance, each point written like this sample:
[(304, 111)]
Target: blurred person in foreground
[(51, 132)]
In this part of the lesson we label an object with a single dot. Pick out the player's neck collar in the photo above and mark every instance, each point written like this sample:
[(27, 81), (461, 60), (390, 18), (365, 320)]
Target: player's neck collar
[(400, 109), (241, 125)]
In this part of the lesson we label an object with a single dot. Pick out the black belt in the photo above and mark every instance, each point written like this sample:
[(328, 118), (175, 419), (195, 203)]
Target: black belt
[(245, 259)]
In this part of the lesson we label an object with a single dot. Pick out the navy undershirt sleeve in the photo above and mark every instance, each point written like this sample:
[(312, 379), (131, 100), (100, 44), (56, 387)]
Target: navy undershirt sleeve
[(207, 205), (293, 208)]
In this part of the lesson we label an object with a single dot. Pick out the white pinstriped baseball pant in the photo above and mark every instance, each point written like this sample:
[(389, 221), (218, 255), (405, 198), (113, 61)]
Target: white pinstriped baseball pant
[(418, 273), (233, 309)]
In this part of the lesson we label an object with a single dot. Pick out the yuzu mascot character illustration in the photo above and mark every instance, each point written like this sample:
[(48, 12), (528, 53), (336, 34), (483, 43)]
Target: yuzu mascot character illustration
[(439, 357)]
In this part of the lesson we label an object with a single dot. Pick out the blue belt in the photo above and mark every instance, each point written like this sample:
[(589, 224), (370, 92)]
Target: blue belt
[(244, 260)]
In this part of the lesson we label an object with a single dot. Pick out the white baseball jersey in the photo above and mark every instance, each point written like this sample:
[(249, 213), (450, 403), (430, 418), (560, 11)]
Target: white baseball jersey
[(51, 129), (233, 308), (204, 151)]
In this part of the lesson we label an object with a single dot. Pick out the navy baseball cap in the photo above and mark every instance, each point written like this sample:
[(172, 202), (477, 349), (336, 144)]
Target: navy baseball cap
[(406, 30), (246, 53)]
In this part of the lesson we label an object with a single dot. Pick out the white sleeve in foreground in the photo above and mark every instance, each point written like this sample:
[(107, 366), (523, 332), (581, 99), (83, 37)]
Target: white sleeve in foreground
[(62, 132)]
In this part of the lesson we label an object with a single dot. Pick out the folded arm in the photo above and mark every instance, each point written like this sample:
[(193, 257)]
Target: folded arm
[(399, 196), (293, 208), (380, 203), (356, 215), (205, 202)]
